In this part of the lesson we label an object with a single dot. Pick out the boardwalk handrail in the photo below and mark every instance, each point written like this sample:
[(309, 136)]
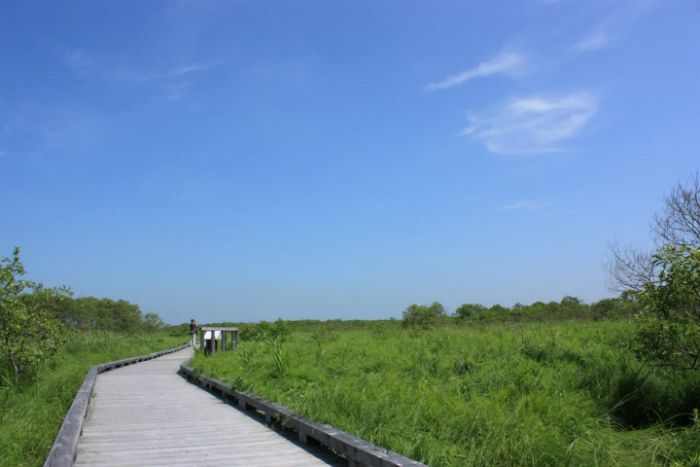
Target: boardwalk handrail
[(62, 453), (356, 450)]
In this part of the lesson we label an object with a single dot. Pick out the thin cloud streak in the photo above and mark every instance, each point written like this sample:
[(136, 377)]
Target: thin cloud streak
[(595, 40), (82, 62), (508, 63), (143, 76), (613, 26), (532, 125)]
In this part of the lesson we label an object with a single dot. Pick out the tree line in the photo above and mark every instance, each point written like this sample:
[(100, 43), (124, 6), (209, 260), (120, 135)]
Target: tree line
[(34, 319), (660, 288), (568, 308), (105, 314)]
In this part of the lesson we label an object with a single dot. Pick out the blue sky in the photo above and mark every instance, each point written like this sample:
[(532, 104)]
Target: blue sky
[(257, 159)]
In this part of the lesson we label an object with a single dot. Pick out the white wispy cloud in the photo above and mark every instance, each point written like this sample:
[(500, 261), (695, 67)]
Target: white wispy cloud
[(596, 39), (532, 125), (80, 61), (177, 90), (614, 25), (524, 206), (84, 62), (508, 63), (145, 76)]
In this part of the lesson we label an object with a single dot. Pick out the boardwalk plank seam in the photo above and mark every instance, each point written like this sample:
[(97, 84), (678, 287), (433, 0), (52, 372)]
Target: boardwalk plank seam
[(356, 450), (121, 402), (63, 449)]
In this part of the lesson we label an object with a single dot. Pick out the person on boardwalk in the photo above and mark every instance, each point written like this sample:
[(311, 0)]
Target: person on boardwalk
[(193, 331)]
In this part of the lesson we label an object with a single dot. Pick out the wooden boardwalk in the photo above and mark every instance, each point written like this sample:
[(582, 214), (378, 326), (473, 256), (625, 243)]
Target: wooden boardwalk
[(146, 414)]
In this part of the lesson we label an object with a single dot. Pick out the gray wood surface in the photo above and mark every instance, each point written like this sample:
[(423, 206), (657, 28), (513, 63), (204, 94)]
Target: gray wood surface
[(146, 414), (357, 451), (63, 449)]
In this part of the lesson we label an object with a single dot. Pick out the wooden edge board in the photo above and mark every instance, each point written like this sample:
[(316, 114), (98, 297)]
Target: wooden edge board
[(353, 448), (62, 453)]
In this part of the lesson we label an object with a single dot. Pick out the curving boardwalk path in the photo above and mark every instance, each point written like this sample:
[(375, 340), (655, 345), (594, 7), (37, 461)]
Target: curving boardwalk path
[(146, 414)]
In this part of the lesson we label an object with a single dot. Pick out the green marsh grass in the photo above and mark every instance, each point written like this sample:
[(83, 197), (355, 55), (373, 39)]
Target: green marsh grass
[(566, 393), (31, 415)]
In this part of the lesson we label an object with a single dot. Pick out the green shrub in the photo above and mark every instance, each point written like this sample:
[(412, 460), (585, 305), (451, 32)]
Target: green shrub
[(669, 334), (29, 334), (423, 315)]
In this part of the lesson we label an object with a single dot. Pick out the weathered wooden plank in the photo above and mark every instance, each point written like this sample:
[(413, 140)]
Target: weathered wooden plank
[(62, 451), (148, 415), (356, 450), (144, 414)]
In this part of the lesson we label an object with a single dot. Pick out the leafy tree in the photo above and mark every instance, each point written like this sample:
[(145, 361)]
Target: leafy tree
[(625, 306), (669, 334), (120, 315), (423, 315), (152, 322), (571, 302), (497, 311), (29, 334), (469, 310), (572, 307), (677, 224), (104, 314)]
